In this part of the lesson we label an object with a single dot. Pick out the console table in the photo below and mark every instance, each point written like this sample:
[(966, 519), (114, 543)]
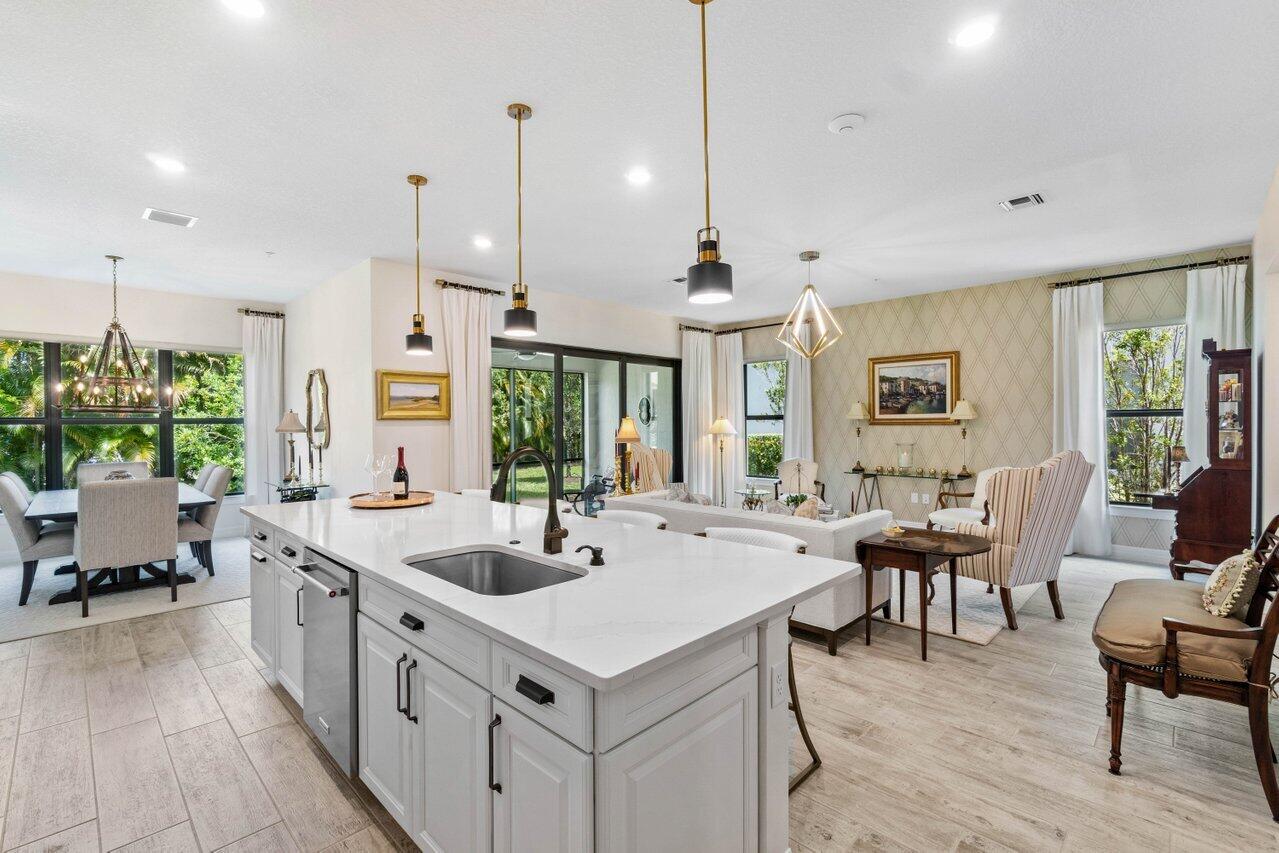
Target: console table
[(867, 488)]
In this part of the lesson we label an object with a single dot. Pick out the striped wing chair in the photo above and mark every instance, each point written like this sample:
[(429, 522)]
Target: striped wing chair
[(1036, 508)]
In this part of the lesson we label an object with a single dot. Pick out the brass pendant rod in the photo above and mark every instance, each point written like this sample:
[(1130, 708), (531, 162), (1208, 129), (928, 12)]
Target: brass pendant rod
[(519, 197), (417, 241), (706, 144)]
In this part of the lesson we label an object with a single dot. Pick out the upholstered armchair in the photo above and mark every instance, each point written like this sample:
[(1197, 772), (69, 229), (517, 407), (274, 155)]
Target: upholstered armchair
[(951, 512), (798, 476), (652, 467), (1036, 509)]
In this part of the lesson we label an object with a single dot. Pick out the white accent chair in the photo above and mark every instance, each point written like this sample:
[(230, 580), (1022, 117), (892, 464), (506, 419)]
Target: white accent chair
[(794, 545), (126, 523), (475, 493), (977, 511), (36, 541), (196, 529), (650, 520), (96, 472), (798, 476)]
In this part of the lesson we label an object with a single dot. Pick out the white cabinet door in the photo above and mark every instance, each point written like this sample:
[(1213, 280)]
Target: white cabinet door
[(288, 630), (546, 797), (451, 790), (262, 606), (689, 782), (386, 736)]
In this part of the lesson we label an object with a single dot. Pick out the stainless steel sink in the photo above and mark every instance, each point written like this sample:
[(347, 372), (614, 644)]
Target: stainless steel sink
[(493, 572)]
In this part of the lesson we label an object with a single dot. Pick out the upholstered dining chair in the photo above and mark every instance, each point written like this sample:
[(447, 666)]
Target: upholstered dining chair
[(1036, 509), (475, 493), (794, 545), (798, 476), (96, 472), (196, 529), (202, 478), (126, 523), (36, 541), (634, 517), (950, 513), (23, 490)]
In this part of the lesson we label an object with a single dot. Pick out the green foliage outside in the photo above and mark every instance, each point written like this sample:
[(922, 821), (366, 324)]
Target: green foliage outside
[(533, 393), (21, 396), (763, 455), (764, 450), (1142, 369)]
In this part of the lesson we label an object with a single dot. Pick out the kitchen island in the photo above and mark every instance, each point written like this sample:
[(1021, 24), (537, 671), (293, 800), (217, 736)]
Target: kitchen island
[(637, 705)]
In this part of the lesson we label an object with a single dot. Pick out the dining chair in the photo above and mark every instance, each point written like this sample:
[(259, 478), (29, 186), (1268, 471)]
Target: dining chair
[(794, 545), (36, 541), (96, 472), (634, 517), (26, 492), (202, 478), (196, 527), (475, 493), (126, 523)]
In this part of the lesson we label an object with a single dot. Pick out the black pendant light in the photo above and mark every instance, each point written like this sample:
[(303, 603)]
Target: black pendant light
[(710, 280), (520, 321), (418, 342)]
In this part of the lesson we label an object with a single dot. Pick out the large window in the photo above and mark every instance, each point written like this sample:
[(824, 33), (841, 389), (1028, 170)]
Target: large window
[(765, 389), (1143, 374), (44, 445)]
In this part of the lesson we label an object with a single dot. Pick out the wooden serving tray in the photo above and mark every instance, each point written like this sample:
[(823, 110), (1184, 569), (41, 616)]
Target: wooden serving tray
[(365, 500)]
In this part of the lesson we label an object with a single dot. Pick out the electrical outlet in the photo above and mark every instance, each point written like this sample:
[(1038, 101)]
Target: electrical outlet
[(777, 678), (914, 497)]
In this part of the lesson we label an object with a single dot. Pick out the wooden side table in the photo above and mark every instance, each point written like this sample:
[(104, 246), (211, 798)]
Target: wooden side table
[(921, 551)]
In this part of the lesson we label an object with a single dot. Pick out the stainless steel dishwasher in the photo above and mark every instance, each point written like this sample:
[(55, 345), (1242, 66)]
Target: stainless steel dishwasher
[(328, 656)]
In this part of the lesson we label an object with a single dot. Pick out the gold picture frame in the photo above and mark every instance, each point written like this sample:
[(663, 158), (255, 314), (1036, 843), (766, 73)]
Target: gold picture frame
[(927, 382), (406, 395)]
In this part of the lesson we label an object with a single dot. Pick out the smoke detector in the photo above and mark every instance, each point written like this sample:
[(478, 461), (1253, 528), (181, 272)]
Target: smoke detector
[(847, 123), (168, 217), (1023, 201)]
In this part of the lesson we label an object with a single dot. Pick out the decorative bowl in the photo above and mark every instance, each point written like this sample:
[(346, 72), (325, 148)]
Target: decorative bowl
[(893, 529)]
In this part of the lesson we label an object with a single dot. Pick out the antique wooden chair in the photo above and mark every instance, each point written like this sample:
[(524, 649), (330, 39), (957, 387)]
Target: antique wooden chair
[(1156, 633)]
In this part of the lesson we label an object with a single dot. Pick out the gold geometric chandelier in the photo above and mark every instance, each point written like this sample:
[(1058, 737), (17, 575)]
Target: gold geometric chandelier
[(112, 377), (811, 327)]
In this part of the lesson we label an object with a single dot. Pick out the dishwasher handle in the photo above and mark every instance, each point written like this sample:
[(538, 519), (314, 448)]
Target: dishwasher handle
[(305, 570)]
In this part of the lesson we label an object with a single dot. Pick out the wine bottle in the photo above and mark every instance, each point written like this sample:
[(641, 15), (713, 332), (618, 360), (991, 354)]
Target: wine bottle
[(400, 480)]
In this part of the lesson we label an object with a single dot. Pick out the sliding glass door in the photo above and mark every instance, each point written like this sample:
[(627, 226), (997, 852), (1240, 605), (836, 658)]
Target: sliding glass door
[(591, 387), (523, 385)]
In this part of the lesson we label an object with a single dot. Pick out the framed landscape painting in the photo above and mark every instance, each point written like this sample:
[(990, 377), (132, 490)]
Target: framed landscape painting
[(913, 389), (406, 395)]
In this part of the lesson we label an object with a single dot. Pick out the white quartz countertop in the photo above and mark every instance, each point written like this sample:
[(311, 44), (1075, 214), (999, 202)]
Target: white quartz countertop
[(659, 596)]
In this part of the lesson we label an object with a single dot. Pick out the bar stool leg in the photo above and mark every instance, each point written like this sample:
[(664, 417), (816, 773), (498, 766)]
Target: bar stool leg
[(816, 762)]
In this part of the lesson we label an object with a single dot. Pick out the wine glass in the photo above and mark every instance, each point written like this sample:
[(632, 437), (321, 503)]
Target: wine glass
[(372, 464), (383, 465)]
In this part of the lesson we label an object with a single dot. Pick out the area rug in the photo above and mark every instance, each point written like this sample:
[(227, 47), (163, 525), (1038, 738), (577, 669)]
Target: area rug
[(980, 615), (230, 561)]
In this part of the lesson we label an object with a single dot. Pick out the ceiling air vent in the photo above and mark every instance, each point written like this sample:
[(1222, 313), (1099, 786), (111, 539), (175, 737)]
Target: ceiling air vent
[(168, 217), (1032, 200)]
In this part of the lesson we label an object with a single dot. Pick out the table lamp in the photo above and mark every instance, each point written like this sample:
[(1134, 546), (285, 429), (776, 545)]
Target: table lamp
[(1176, 456), (627, 435), (290, 425), (722, 428), (964, 412), (858, 415)]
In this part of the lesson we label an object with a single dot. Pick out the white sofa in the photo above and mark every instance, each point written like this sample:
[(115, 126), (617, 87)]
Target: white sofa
[(828, 613)]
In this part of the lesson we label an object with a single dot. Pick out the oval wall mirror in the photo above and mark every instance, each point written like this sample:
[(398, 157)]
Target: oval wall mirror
[(319, 427)]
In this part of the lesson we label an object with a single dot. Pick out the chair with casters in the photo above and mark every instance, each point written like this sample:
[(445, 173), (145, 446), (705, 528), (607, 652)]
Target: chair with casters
[(794, 545), (196, 528), (36, 541), (798, 476), (949, 512), (126, 523), (96, 472), (634, 517)]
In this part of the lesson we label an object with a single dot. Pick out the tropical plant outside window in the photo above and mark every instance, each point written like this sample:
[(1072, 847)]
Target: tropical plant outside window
[(1144, 379), (764, 385), (532, 422)]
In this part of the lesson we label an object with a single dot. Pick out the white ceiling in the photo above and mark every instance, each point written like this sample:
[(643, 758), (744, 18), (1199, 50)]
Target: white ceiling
[(1149, 127)]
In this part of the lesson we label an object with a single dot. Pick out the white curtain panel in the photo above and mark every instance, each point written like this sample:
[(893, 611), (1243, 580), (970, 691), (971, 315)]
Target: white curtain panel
[(470, 357), (1079, 413), (729, 403), (697, 373), (1214, 309), (263, 342), (797, 431)]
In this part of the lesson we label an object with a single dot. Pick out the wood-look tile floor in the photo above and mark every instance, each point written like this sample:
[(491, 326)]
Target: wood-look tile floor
[(165, 733), (1005, 746)]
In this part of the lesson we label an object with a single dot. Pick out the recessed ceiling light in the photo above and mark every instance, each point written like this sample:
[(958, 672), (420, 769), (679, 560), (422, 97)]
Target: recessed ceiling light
[(638, 176), (247, 8), (166, 164), (975, 32), (479, 241)]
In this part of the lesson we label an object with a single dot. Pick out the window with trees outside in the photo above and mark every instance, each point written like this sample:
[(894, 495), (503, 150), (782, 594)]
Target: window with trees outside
[(1143, 371), (44, 445), (765, 389)]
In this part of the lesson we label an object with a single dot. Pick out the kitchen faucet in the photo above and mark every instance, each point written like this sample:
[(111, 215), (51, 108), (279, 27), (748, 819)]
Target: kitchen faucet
[(553, 533)]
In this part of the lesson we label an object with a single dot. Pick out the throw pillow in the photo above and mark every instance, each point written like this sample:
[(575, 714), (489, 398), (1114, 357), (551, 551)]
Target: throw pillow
[(1228, 590), (677, 492), (695, 498), (776, 507), (808, 509)]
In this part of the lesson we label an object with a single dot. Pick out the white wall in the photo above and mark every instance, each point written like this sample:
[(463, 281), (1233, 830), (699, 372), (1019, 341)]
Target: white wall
[(1265, 306), (574, 321)]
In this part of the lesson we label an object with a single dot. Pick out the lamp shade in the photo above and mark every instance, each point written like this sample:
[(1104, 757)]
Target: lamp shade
[(519, 322), (1179, 454), (417, 343), (858, 412), (964, 411), (290, 423), (626, 432), (722, 427), (710, 282)]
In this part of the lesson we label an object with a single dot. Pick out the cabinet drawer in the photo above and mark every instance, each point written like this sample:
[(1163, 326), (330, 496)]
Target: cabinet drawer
[(556, 701), (288, 550), (449, 642), (261, 538), (631, 709)]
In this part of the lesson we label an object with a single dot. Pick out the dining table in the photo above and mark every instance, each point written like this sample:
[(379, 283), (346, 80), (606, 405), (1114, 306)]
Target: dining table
[(62, 505)]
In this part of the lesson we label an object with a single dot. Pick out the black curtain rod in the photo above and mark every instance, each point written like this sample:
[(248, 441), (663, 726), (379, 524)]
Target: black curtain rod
[(439, 282), (684, 328), (1242, 259), (254, 312)]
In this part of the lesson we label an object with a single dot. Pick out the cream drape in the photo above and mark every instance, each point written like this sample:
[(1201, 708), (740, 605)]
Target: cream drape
[(262, 341), (697, 373), (729, 404), (470, 357), (1214, 310)]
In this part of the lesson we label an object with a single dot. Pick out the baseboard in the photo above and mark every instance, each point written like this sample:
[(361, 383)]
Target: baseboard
[(1133, 554)]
